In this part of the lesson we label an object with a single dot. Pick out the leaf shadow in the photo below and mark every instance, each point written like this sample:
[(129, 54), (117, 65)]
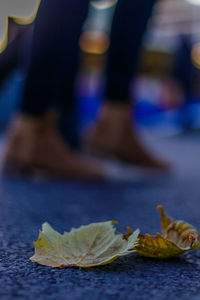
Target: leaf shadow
[(126, 265)]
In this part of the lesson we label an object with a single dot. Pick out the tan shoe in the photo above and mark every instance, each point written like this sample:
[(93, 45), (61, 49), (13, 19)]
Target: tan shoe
[(35, 145), (114, 137), (20, 144)]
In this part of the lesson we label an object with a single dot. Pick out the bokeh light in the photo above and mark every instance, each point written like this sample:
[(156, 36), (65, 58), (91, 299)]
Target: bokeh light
[(195, 2), (103, 4), (94, 42)]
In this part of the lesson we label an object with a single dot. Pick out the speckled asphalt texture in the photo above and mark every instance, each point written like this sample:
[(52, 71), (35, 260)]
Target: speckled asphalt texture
[(26, 204)]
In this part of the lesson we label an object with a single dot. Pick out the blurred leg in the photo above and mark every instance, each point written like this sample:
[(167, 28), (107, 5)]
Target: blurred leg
[(72, 23), (54, 55), (41, 81), (113, 135), (129, 25), (34, 141)]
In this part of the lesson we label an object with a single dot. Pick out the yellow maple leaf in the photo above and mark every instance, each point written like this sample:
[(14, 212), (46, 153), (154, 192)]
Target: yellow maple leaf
[(178, 237), (92, 245)]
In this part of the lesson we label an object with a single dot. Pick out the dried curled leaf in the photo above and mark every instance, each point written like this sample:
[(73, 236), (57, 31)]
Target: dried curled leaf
[(128, 233), (92, 245), (184, 235), (157, 246), (178, 237)]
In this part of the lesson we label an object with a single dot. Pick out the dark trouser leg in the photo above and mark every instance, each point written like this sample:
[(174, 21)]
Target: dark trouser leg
[(53, 63), (128, 27), (72, 25), (40, 85)]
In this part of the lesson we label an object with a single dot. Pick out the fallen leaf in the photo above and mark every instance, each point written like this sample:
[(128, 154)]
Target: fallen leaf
[(92, 245), (128, 233), (178, 237)]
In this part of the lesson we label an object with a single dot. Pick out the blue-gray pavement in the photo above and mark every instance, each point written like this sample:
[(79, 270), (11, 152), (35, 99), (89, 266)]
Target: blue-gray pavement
[(25, 204)]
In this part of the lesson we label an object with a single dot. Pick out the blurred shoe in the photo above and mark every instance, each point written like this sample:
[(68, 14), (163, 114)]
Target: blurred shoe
[(34, 145), (20, 144), (114, 137)]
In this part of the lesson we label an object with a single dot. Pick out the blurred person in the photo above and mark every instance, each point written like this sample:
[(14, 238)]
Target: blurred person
[(34, 141), (178, 90), (178, 87), (184, 73)]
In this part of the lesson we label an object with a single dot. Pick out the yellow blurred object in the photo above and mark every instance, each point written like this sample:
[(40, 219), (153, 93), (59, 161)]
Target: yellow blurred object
[(17, 10), (3, 33), (26, 17), (195, 55), (95, 42)]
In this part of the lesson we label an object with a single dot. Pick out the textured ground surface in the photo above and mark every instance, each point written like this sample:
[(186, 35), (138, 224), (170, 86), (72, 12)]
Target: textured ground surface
[(25, 205)]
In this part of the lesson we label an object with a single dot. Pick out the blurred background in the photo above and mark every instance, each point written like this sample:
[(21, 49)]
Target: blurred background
[(167, 87), (166, 97)]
